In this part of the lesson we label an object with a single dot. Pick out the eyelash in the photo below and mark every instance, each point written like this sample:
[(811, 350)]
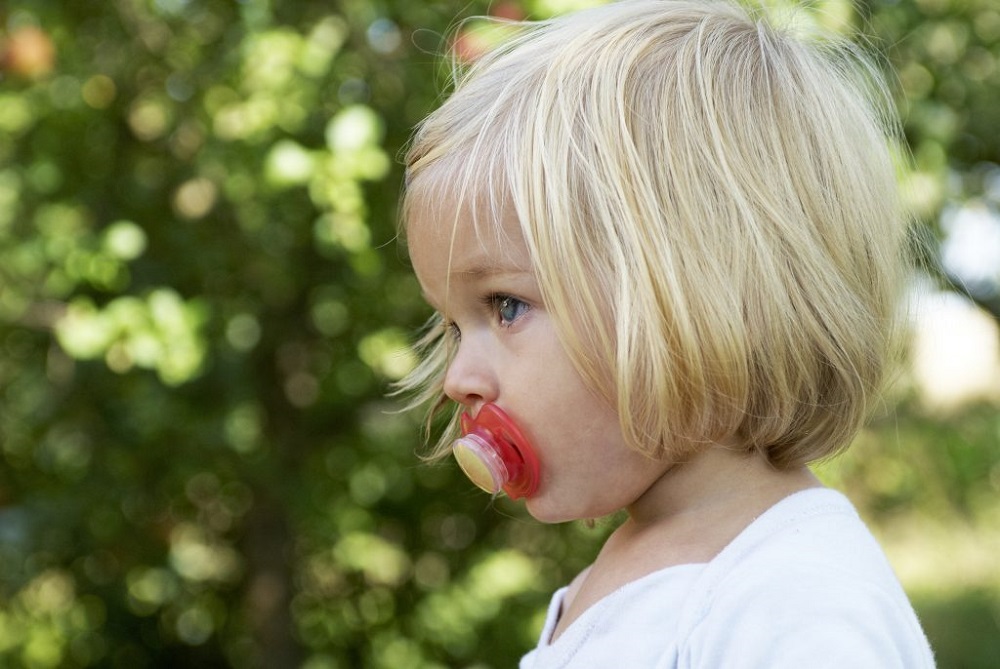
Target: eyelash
[(495, 302)]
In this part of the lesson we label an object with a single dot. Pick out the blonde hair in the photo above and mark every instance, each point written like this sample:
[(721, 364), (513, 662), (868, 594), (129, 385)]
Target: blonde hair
[(710, 204)]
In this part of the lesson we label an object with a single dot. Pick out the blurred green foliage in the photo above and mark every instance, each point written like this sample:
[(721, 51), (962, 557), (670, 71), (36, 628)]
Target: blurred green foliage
[(202, 302)]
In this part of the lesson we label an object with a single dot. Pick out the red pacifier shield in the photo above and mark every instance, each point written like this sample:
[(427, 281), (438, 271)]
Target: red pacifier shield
[(495, 455)]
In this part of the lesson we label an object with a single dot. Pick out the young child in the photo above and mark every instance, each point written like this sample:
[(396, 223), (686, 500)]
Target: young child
[(664, 246)]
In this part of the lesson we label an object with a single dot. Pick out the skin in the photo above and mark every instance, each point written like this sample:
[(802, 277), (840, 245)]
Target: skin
[(509, 353)]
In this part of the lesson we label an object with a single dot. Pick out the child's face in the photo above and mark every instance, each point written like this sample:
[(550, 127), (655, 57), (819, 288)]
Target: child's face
[(508, 352)]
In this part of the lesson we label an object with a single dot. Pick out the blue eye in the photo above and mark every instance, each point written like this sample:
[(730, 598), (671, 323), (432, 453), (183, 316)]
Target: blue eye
[(508, 309)]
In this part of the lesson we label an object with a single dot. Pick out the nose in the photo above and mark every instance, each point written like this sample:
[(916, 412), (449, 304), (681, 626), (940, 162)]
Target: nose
[(470, 379)]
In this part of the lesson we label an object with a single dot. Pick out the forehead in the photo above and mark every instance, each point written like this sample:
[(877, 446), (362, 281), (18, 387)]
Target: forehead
[(475, 227)]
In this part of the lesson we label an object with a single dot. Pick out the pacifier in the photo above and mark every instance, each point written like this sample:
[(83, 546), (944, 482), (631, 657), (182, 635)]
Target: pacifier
[(495, 455)]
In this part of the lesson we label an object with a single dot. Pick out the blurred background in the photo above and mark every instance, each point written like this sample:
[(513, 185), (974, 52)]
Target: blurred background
[(202, 304)]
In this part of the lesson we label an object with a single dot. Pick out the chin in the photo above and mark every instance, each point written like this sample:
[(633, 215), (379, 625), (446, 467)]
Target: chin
[(544, 511)]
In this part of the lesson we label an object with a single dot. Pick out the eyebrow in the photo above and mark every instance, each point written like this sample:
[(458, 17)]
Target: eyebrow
[(487, 270), (486, 266), (478, 272)]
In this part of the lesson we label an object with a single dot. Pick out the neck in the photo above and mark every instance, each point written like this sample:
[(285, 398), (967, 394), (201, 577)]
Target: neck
[(687, 516), (719, 482)]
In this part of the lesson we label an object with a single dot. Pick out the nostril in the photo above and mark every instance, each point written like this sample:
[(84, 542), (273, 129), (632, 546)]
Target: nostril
[(469, 390), (462, 393)]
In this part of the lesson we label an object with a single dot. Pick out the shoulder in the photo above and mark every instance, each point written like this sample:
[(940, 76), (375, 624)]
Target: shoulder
[(806, 585)]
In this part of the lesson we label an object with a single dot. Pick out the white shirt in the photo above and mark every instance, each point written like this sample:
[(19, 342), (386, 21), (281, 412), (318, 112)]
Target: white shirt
[(804, 585)]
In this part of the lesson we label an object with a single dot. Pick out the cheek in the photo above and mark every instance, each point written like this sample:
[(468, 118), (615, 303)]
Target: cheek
[(592, 342), (562, 402), (577, 432)]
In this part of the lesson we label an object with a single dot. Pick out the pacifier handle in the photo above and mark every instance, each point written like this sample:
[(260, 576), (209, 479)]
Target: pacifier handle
[(495, 454)]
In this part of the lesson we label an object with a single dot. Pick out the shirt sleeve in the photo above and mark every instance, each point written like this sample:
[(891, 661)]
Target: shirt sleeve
[(805, 594), (794, 622)]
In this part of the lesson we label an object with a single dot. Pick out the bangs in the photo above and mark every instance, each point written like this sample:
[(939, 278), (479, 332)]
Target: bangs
[(447, 189), (700, 295)]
